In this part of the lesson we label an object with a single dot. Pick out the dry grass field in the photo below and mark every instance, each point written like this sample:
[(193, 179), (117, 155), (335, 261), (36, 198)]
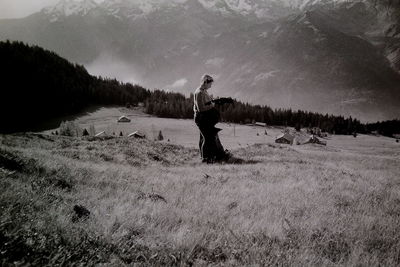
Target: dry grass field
[(120, 201), (178, 131)]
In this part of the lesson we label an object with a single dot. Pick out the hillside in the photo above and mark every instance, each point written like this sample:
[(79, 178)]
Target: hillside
[(327, 56), (83, 201), (40, 85)]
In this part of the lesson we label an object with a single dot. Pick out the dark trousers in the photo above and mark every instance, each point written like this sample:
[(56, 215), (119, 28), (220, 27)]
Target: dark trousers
[(209, 144)]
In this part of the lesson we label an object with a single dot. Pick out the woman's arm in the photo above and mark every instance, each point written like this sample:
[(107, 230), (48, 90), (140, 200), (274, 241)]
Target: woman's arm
[(201, 100)]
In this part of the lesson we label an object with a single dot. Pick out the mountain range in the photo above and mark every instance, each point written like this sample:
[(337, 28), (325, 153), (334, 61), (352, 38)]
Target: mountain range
[(329, 56)]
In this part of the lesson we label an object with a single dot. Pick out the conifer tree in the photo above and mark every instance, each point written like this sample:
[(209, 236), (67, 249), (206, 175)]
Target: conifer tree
[(160, 136)]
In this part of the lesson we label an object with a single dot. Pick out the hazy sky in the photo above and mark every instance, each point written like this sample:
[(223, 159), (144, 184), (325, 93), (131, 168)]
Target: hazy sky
[(22, 8)]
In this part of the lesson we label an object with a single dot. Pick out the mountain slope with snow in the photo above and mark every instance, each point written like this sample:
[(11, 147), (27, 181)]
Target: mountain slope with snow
[(66, 8), (324, 55), (252, 9)]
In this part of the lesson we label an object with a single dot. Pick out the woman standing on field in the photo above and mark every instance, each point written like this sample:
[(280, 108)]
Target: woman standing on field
[(205, 117)]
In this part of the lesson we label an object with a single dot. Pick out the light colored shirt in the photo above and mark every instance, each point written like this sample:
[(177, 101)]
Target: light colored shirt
[(201, 97)]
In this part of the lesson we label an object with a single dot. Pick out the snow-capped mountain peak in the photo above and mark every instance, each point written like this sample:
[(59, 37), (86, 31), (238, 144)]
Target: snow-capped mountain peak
[(226, 6), (70, 7), (136, 8), (252, 9), (259, 8)]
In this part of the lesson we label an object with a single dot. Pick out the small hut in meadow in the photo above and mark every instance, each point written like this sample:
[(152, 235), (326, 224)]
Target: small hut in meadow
[(285, 138), (260, 124), (314, 140), (124, 119), (137, 134)]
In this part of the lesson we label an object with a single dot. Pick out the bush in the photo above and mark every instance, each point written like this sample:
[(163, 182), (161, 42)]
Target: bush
[(70, 128), (160, 136)]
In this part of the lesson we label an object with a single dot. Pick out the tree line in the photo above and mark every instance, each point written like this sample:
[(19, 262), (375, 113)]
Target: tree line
[(41, 85), (38, 85), (175, 105)]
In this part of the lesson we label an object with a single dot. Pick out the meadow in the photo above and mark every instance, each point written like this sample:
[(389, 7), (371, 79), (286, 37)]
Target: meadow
[(177, 131), (155, 203)]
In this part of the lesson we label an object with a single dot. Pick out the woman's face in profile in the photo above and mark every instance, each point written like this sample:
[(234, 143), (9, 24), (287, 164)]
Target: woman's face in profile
[(208, 85)]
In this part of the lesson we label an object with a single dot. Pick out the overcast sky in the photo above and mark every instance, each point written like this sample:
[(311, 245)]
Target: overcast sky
[(22, 8)]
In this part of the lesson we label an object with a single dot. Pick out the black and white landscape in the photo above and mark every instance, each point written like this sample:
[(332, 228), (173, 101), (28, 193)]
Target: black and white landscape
[(329, 56), (99, 152)]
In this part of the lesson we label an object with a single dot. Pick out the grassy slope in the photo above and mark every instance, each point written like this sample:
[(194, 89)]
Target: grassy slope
[(179, 131), (308, 205)]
